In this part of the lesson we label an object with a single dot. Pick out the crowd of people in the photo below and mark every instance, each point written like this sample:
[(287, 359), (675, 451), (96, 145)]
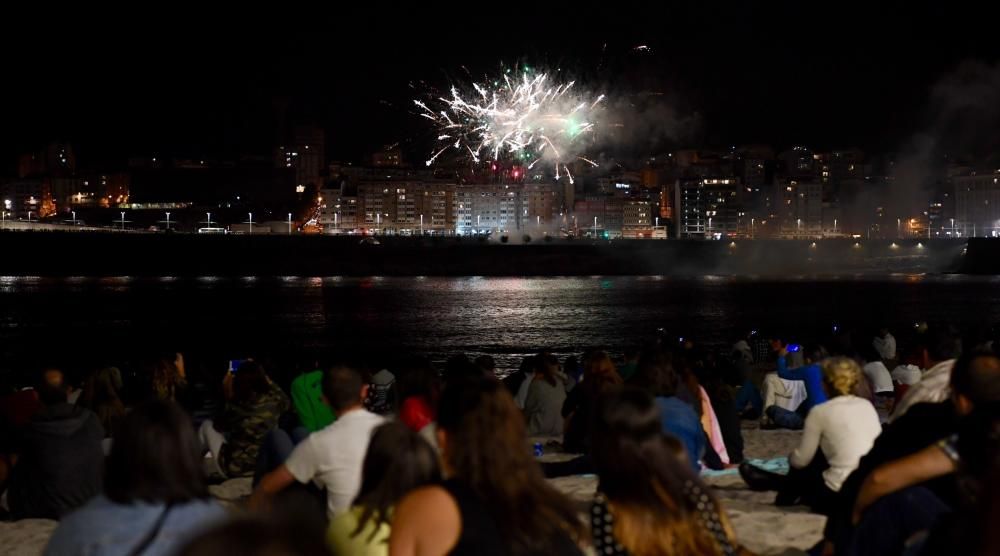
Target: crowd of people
[(900, 449)]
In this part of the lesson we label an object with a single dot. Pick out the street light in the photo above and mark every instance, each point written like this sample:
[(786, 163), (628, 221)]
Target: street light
[(123, 220), (29, 216), (421, 224), (208, 219), (73, 212), (290, 223), (168, 221), (250, 221)]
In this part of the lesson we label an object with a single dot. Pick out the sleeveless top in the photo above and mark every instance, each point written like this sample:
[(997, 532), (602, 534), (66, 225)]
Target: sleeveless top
[(602, 523), (480, 536)]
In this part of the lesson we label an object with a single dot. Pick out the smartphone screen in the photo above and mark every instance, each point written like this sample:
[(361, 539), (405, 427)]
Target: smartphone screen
[(234, 364)]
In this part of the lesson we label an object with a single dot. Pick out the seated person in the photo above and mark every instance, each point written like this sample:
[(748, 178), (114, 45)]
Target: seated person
[(254, 405), (495, 499), (656, 375), (398, 461), (877, 373), (942, 346), (599, 376), (42, 485), (546, 395), (155, 491), (891, 508), (975, 380), (330, 458), (807, 380), (837, 433), (649, 500)]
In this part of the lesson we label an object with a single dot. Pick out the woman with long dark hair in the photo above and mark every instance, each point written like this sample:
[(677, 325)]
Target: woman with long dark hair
[(649, 501), (155, 492), (599, 376), (494, 499), (398, 460)]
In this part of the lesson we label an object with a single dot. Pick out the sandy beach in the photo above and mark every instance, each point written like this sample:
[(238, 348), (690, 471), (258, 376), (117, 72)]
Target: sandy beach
[(760, 526)]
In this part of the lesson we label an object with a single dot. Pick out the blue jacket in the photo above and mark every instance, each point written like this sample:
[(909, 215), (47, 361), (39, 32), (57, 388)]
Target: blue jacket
[(812, 376), (680, 421), (104, 528)]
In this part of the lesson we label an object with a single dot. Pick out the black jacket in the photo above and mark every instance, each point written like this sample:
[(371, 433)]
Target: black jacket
[(61, 463)]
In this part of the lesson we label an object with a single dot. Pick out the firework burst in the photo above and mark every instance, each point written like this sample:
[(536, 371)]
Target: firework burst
[(526, 120)]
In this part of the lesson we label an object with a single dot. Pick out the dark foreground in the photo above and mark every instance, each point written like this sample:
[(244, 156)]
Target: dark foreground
[(111, 254)]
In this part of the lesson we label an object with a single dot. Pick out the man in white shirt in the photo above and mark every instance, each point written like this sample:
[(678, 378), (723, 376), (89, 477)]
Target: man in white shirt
[(332, 457), (943, 346)]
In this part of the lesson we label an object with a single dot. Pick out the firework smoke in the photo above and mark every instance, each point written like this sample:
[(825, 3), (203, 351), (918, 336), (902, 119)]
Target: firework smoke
[(527, 120)]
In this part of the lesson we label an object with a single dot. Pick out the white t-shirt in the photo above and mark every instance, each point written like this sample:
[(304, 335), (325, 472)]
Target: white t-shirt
[(845, 428), (934, 387), (879, 376), (522, 391), (907, 374), (886, 347), (332, 457)]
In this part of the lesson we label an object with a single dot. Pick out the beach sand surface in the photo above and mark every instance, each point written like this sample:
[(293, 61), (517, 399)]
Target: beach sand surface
[(760, 526)]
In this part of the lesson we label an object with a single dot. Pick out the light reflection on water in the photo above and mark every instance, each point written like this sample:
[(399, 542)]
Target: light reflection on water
[(505, 317)]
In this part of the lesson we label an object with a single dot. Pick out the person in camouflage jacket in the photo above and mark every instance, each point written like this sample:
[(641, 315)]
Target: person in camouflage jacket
[(253, 406)]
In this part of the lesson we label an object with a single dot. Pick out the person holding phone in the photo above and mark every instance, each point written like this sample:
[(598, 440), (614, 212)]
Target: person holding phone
[(253, 406), (809, 377)]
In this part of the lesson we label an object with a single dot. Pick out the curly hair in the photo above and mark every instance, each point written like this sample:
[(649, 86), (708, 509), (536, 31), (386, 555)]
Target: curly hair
[(840, 375)]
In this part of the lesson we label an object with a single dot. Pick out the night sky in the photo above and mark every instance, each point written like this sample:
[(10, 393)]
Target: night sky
[(183, 81)]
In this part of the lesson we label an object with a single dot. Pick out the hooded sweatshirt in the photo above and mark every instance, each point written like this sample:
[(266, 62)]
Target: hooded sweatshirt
[(61, 464)]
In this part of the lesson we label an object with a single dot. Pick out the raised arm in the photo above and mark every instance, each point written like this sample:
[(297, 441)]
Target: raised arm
[(789, 374)]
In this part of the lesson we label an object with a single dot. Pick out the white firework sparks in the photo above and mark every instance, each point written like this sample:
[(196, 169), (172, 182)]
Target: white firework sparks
[(527, 120)]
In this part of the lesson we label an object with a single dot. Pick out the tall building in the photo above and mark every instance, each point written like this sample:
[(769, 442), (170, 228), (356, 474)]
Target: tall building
[(708, 208), (339, 209), (754, 165), (305, 152), (977, 205), (435, 207), (538, 204), (801, 209), (798, 162), (487, 208), (600, 215), (637, 219)]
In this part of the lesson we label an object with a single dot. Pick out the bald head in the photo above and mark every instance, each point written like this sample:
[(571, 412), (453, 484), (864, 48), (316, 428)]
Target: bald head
[(976, 378)]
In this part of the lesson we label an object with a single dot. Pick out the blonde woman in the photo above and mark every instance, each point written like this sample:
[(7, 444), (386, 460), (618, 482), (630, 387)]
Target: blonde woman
[(836, 435)]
